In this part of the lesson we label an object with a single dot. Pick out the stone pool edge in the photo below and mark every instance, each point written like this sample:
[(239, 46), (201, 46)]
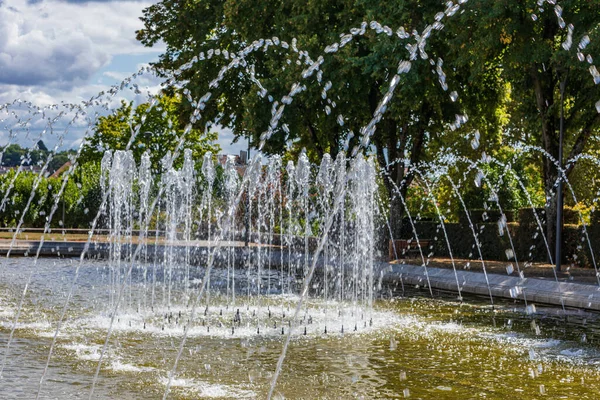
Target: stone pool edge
[(394, 276), (530, 290)]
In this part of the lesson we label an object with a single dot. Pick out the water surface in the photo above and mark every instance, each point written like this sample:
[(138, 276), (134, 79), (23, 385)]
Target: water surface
[(412, 347)]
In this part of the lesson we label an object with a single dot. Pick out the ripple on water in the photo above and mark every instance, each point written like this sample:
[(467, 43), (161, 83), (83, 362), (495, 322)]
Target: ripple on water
[(209, 390)]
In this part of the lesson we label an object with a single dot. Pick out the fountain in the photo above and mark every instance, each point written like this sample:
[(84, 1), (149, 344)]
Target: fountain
[(196, 280)]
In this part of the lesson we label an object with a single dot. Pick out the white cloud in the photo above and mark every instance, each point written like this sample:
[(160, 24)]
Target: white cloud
[(117, 76), (59, 45), (51, 50)]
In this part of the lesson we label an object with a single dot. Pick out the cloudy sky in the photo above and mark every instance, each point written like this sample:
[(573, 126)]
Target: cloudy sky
[(54, 51)]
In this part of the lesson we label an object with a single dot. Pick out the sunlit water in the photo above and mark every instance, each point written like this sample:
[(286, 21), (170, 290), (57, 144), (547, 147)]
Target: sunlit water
[(410, 347)]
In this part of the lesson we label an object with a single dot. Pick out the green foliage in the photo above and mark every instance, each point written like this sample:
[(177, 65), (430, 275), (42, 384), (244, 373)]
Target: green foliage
[(510, 177), (75, 208), (419, 202), (15, 155), (416, 123), (498, 180), (157, 131), (506, 68), (536, 63), (360, 71)]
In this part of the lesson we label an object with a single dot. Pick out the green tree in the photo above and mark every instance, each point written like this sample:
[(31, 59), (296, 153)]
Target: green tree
[(13, 208), (537, 52), (158, 132), (14, 155), (42, 146), (360, 73), (77, 206)]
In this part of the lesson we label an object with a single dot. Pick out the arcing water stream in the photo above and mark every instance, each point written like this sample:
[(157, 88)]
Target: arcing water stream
[(180, 306)]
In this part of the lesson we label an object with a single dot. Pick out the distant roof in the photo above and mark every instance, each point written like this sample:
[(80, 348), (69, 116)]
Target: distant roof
[(62, 169)]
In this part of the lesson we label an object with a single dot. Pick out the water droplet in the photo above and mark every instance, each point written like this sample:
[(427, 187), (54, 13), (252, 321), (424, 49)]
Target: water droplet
[(532, 354), (509, 254), (478, 178), (475, 140), (345, 39), (402, 34), (585, 40), (501, 225), (569, 40), (404, 67), (558, 11), (332, 48), (595, 74)]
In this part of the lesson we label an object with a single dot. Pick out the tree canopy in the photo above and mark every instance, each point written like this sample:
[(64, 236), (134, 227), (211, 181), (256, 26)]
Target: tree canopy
[(330, 105), (14, 155), (510, 66), (156, 130), (539, 52), (354, 78)]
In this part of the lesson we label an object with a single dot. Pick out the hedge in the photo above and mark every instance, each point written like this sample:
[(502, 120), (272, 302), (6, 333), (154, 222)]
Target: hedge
[(526, 236)]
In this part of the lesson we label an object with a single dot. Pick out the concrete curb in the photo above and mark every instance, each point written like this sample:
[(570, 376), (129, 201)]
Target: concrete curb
[(531, 290)]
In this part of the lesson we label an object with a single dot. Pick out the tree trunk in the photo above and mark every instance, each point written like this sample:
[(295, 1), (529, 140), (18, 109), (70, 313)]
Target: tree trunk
[(551, 213), (396, 143), (398, 179), (544, 84)]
